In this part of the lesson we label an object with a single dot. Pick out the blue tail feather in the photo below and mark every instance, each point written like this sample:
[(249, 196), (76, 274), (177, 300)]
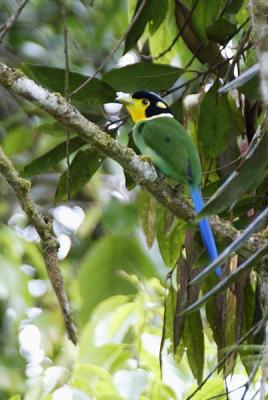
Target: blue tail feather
[(205, 228)]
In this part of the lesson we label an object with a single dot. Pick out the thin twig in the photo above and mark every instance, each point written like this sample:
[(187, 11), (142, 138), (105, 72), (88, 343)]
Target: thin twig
[(227, 3), (237, 54), (43, 226), (134, 20), (252, 330), (223, 166), (252, 375), (67, 93), (202, 74), (11, 20), (164, 52)]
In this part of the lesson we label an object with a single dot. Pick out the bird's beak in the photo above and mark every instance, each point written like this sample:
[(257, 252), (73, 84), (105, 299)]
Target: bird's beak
[(125, 99)]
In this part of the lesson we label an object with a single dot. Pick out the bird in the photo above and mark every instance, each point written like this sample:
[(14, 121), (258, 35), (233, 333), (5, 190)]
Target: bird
[(159, 136)]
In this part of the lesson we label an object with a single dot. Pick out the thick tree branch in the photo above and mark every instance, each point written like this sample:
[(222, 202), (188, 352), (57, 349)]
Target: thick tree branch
[(141, 171), (49, 243)]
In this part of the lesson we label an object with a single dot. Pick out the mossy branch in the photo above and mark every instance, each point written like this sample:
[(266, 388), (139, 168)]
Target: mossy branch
[(43, 226)]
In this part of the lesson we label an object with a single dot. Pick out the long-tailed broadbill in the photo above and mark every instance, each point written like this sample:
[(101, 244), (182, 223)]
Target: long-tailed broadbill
[(158, 135)]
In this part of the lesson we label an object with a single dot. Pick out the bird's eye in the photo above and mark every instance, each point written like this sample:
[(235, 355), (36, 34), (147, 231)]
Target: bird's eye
[(145, 102)]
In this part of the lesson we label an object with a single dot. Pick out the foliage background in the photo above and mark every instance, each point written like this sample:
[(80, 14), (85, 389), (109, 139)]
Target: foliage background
[(117, 243)]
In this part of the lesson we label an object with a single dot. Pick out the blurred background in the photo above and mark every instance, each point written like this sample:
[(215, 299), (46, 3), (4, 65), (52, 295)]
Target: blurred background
[(117, 244)]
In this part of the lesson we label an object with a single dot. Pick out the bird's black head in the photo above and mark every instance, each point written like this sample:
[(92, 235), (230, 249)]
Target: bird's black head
[(142, 105), (154, 104)]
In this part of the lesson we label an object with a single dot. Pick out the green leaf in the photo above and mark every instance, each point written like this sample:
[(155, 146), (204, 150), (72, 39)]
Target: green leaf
[(230, 331), (111, 355), (153, 12), (215, 311), (213, 387), (147, 216), (194, 33), (215, 121), (241, 180), (142, 76), (120, 217), (234, 6), (54, 79), (99, 271), (15, 397), (248, 312), (101, 312), (169, 312), (227, 281), (160, 8), (83, 167), (160, 391), (204, 14), (18, 140), (251, 89), (93, 379), (234, 245), (170, 235), (45, 162), (177, 109), (221, 30), (50, 127), (193, 340)]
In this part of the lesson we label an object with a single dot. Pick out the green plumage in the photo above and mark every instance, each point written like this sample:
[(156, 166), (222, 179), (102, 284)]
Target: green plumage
[(166, 142)]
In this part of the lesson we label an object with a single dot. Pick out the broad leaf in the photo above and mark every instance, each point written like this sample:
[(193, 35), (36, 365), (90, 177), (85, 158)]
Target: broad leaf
[(204, 14), (183, 277), (142, 76), (18, 139), (193, 340), (93, 380), (221, 31), (234, 6), (45, 162), (153, 12), (230, 332), (251, 89), (120, 217), (99, 271), (168, 322), (247, 177), (160, 391), (227, 281), (147, 216), (83, 167), (234, 246), (170, 235), (215, 312), (54, 79), (215, 122), (214, 388), (194, 34), (248, 311)]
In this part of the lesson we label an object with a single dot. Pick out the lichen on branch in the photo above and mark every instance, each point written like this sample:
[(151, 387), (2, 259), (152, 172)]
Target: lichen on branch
[(43, 226)]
